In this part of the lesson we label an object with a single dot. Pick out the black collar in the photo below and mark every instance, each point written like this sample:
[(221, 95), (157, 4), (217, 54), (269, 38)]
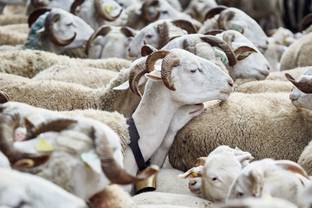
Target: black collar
[(134, 145)]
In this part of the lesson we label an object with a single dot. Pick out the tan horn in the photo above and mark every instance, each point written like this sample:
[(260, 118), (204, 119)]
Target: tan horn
[(75, 5), (304, 86), (134, 78), (151, 59), (167, 65), (217, 42), (50, 20), (113, 171), (292, 167), (163, 32), (185, 25), (214, 11), (102, 31), (102, 13)]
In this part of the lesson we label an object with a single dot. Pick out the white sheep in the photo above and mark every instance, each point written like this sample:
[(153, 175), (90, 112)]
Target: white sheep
[(281, 178), (264, 86), (13, 34), (266, 202), (217, 172), (305, 197), (198, 8), (234, 19)]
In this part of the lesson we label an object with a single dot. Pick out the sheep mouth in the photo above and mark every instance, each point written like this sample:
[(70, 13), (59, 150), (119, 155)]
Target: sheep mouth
[(200, 109)]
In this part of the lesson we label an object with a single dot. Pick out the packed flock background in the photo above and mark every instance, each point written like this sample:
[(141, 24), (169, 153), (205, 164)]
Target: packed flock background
[(155, 104)]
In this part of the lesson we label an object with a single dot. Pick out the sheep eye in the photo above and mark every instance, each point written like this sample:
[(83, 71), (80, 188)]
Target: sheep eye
[(214, 179), (70, 24), (164, 12), (240, 194), (149, 36), (193, 70)]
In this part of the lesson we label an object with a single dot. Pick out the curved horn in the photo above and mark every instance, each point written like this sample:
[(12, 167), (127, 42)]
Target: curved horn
[(3, 97), (144, 8), (214, 41), (185, 25), (75, 5), (54, 125), (304, 86), (167, 65), (103, 13), (225, 17), (8, 125), (214, 32), (51, 19), (163, 32), (306, 22), (102, 31), (35, 15), (112, 169), (128, 32), (151, 59), (134, 77), (214, 11)]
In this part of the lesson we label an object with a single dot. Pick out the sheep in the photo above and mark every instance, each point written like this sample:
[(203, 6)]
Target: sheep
[(217, 172), (265, 202), (25, 190), (231, 18), (264, 86), (198, 8), (4, 3), (242, 59), (4, 161), (266, 124), (297, 55), (88, 76), (109, 41), (280, 75), (150, 11), (33, 5), (12, 19), (157, 35), (96, 12), (305, 196), (13, 34), (157, 199), (281, 178), (58, 31), (32, 62)]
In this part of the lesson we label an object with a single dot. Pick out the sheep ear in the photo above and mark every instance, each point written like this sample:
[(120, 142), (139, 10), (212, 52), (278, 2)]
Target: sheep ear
[(256, 179), (123, 86), (154, 75), (3, 97), (147, 50), (35, 15), (243, 52), (245, 158), (292, 167), (200, 161), (306, 22), (194, 172)]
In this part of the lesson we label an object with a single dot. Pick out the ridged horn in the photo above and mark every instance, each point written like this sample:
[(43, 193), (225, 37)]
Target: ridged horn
[(163, 32), (167, 65), (75, 5), (113, 171), (185, 25), (135, 75), (51, 19), (103, 13), (217, 42), (214, 11), (304, 86)]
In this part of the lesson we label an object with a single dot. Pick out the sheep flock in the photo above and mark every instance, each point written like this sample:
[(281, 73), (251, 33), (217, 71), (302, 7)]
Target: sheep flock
[(155, 103)]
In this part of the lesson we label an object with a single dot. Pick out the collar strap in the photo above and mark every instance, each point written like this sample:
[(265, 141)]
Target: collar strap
[(134, 145)]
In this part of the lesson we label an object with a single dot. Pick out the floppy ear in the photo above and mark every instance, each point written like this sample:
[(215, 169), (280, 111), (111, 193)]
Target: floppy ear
[(256, 179), (147, 50), (292, 167), (200, 161), (125, 86), (243, 52), (194, 172)]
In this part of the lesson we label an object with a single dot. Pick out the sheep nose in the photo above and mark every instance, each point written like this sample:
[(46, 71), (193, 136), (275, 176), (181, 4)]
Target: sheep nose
[(293, 97), (230, 82)]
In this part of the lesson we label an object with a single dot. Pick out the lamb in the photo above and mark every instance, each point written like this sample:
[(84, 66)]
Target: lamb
[(88, 76), (21, 189), (96, 12), (248, 121), (282, 179), (31, 62), (241, 58), (58, 31), (157, 35), (214, 175), (231, 18), (109, 41), (297, 55), (266, 202), (13, 34)]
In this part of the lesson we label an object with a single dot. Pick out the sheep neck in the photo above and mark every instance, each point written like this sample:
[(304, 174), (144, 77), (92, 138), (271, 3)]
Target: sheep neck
[(152, 118)]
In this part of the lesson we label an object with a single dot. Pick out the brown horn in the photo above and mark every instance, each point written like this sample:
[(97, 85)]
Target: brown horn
[(225, 17), (167, 65), (306, 22), (185, 25), (214, 11), (102, 31), (145, 6), (35, 15), (292, 167), (8, 125), (305, 87), (102, 13), (54, 125), (217, 42), (134, 77), (112, 169), (128, 32), (163, 32), (214, 32), (37, 3), (151, 59), (51, 19), (75, 5), (3, 97)]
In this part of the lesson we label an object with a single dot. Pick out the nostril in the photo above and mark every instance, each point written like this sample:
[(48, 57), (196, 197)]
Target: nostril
[(231, 83), (268, 68), (293, 97)]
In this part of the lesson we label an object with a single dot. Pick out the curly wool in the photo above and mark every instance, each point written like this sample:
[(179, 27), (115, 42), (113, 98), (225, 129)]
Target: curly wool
[(13, 19), (267, 125), (264, 86), (305, 159), (13, 34)]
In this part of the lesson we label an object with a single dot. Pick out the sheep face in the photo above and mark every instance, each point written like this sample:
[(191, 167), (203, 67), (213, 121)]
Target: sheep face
[(65, 31), (301, 94), (156, 34), (110, 41), (195, 80)]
